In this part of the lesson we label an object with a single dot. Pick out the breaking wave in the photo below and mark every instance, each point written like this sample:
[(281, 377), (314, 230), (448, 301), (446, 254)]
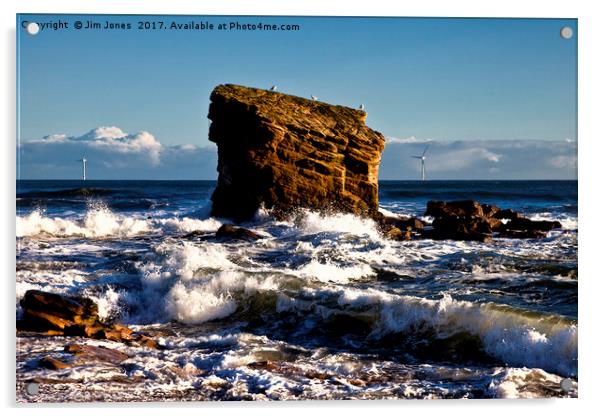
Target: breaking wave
[(99, 221)]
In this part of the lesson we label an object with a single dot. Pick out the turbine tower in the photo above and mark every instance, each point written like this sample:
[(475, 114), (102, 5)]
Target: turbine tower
[(83, 160), (422, 165)]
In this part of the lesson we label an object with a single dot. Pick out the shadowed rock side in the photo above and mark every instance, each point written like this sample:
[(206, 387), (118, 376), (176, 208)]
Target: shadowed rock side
[(470, 220), (286, 152)]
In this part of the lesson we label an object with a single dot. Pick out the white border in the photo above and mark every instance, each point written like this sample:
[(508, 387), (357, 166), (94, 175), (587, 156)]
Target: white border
[(590, 176)]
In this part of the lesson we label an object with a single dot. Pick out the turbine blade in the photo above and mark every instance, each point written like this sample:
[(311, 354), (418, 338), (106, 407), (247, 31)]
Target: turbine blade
[(425, 149)]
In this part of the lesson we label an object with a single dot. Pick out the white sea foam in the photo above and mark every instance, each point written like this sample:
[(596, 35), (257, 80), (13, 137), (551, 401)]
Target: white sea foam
[(524, 383), (197, 283), (567, 222), (99, 221), (188, 225), (214, 296), (311, 222), (514, 337), (182, 259), (198, 304), (331, 272), (517, 338), (109, 301)]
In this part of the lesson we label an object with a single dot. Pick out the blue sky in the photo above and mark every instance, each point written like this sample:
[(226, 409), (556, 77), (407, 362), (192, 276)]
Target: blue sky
[(450, 80)]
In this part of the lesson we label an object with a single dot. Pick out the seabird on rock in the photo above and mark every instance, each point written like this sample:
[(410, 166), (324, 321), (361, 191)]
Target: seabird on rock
[(361, 106), (274, 88), (313, 97)]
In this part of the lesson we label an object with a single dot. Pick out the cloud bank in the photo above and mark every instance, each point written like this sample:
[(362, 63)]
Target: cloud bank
[(115, 154), (480, 159)]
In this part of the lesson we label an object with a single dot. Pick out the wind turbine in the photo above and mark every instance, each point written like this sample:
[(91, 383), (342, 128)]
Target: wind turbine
[(83, 160), (422, 159)]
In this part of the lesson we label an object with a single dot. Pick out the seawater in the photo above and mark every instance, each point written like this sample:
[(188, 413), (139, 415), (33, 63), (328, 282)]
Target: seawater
[(323, 307)]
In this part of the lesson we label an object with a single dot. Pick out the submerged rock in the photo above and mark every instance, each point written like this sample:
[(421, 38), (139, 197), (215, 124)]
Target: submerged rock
[(54, 314), (52, 363), (284, 152), (229, 231), (84, 353)]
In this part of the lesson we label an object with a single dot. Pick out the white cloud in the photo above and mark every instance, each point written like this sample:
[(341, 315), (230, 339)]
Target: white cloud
[(482, 159), (563, 161), (113, 153), (112, 139), (397, 140), (101, 133)]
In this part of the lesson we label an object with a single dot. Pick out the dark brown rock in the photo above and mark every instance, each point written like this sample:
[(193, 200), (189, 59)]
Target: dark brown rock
[(404, 223), (413, 223), (84, 353), (54, 314), (394, 233), (229, 231), (465, 209), (45, 311), (489, 210), (530, 225), (52, 363), (469, 220), (507, 214), (458, 228), (523, 234), (399, 227), (285, 152)]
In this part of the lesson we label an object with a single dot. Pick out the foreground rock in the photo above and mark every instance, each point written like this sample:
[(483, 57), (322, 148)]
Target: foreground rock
[(85, 353), (285, 152), (81, 354), (54, 314), (470, 220), (230, 232)]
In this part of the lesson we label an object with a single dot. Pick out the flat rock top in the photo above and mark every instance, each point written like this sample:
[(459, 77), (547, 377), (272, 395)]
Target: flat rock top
[(291, 110)]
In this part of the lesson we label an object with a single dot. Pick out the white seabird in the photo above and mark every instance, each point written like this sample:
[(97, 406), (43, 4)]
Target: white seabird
[(274, 88), (313, 97), (362, 106)]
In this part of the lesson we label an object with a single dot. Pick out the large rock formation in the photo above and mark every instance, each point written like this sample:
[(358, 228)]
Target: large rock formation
[(285, 152)]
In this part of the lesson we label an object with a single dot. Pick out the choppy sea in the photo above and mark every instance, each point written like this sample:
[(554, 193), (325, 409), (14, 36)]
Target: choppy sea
[(323, 307)]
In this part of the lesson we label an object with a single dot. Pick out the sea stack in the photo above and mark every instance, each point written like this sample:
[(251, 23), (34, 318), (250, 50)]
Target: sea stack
[(284, 152)]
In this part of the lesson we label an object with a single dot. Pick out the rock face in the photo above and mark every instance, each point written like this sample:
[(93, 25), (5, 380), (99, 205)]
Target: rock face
[(470, 220), (54, 314), (286, 152)]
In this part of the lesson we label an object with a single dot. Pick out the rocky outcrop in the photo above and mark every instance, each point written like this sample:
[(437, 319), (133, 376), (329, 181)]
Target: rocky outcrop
[(284, 152), (470, 220), (54, 314), (400, 227)]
